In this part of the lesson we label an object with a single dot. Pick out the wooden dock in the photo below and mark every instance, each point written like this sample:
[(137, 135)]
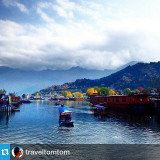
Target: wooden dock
[(5, 108)]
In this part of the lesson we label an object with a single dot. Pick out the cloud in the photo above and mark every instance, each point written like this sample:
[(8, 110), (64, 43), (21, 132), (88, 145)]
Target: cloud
[(40, 7), (86, 34), (14, 3), (65, 8)]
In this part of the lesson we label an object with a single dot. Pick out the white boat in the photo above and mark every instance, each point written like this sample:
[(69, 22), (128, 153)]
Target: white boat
[(15, 109)]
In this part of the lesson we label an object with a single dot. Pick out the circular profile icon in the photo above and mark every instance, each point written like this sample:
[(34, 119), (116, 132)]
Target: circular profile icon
[(17, 152)]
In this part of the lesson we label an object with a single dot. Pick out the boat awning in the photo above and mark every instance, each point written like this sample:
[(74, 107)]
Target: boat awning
[(97, 106), (64, 110)]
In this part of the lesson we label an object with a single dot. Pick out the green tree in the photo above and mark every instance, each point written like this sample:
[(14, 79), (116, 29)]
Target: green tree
[(3, 91), (12, 94), (147, 90), (136, 91), (90, 91), (98, 90), (77, 94), (64, 93), (127, 91), (104, 91)]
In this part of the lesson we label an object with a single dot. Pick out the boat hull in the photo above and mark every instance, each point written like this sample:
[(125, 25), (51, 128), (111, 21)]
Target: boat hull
[(26, 101), (15, 109), (66, 123), (16, 104)]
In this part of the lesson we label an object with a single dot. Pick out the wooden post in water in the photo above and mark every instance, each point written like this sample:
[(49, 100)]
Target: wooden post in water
[(5, 108)]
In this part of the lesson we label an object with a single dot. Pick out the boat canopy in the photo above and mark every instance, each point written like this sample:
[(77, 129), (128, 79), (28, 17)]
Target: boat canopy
[(64, 110), (97, 106)]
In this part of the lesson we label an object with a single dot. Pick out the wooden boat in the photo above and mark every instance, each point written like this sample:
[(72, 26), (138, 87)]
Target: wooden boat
[(16, 104), (78, 99), (66, 123), (122, 101), (57, 104), (15, 109), (58, 98), (26, 101), (100, 110), (65, 116), (39, 98)]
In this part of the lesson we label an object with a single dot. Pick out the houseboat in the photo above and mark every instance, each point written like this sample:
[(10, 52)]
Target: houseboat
[(8, 104), (123, 101), (58, 98), (26, 101), (37, 98), (16, 101), (78, 99)]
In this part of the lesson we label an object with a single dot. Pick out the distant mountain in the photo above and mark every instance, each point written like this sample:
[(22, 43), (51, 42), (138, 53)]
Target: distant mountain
[(140, 74), (21, 81), (126, 65)]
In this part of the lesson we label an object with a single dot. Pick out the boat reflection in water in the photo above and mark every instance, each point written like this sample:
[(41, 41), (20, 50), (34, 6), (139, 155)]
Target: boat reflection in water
[(138, 115)]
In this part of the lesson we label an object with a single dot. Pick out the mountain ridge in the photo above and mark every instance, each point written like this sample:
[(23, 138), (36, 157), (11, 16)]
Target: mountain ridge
[(140, 74), (23, 81)]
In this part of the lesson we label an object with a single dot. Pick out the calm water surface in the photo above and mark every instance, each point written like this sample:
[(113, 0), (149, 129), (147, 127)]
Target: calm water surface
[(38, 123)]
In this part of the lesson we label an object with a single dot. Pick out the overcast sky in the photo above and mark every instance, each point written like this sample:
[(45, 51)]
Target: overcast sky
[(94, 34)]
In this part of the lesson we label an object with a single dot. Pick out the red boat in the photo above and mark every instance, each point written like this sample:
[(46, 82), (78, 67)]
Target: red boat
[(122, 101)]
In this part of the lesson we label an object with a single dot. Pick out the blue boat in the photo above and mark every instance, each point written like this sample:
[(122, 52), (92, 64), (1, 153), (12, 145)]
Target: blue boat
[(99, 110), (65, 116)]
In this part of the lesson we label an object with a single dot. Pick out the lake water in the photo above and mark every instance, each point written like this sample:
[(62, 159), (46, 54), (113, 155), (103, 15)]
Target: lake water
[(37, 122)]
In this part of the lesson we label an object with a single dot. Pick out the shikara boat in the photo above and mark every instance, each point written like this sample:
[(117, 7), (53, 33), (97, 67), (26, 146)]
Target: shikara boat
[(26, 101), (65, 116), (15, 109), (99, 110)]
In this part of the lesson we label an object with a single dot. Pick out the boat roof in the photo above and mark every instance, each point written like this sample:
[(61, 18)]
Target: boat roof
[(98, 106), (63, 110), (135, 95)]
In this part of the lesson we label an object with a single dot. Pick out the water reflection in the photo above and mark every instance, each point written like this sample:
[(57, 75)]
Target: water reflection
[(62, 129), (140, 117), (131, 117), (37, 122), (5, 117)]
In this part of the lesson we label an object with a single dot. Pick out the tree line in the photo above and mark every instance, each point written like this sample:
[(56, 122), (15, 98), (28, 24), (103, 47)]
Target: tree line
[(75, 94), (104, 91)]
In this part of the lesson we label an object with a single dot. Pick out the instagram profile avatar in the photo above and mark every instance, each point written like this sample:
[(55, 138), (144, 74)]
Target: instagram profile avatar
[(17, 152)]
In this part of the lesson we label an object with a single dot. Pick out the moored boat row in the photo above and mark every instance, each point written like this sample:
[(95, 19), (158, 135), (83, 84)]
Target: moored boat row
[(70, 99), (125, 101)]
